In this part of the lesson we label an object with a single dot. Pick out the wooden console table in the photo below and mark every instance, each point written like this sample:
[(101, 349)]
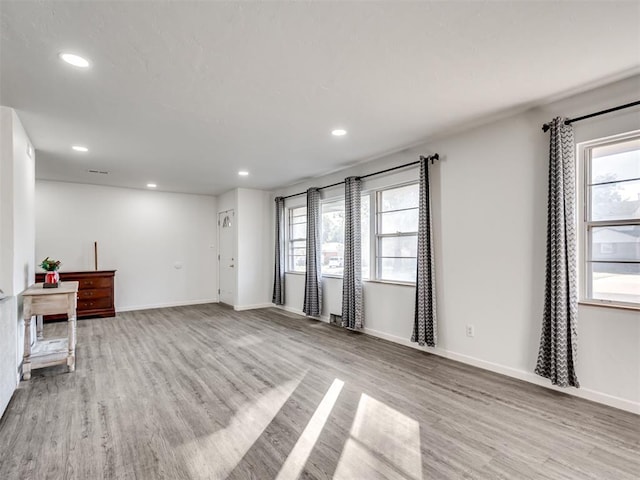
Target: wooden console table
[(40, 301), (95, 293)]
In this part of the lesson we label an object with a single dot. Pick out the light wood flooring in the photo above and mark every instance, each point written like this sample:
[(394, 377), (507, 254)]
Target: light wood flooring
[(203, 392)]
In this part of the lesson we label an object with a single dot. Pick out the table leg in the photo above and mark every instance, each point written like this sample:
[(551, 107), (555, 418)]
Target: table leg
[(39, 327), (71, 331), (26, 364)]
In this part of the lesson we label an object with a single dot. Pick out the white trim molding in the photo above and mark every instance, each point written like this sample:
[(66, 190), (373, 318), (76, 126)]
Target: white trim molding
[(240, 308), (166, 305), (529, 377)]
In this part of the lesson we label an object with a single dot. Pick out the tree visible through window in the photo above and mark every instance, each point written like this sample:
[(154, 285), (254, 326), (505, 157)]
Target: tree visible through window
[(612, 221), (333, 237), (332, 229)]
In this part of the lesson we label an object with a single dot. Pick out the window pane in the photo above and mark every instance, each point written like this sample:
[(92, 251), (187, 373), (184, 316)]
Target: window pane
[(615, 243), (620, 161), (397, 269), (366, 221), (399, 246), (398, 198), (615, 201), (299, 230), (404, 221), (298, 263), (299, 212), (332, 229), (616, 282)]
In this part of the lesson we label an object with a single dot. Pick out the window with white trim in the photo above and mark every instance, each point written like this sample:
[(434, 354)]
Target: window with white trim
[(397, 233), (332, 235), (611, 221), (332, 240), (297, 239)]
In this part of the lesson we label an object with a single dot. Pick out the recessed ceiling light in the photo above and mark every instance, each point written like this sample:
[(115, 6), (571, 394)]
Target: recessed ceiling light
[(243, 173), (338, 132), (151, 185), (75, 60), (80, 148)]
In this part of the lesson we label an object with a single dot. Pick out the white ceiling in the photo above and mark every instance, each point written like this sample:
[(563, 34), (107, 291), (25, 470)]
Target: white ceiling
[(187, 93)]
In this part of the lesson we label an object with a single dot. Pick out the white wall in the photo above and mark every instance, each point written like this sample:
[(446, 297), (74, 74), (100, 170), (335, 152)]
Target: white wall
[(17, 180), (228, 201), (252, 247), (17, 233), (254, 229), (23, 208), (6, 200), (161, 244), (489, 200)]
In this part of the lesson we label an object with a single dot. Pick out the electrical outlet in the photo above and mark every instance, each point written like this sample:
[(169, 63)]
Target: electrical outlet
[(470, 331)]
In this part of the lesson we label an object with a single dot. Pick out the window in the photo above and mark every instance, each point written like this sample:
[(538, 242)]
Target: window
[(389, 218), (332, 231), (365, 218), (611, 221), (297, 236), (397, 233)]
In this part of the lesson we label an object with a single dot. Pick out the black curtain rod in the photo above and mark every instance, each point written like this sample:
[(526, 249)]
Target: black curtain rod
[(432, 158), (569, 121)]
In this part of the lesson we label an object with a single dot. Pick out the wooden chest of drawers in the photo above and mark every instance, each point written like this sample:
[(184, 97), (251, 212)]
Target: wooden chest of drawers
[(95, 293)]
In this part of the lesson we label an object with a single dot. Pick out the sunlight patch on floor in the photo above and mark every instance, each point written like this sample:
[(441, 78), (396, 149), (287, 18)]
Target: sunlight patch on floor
[(218, 454), (382, 443), (299, 455)]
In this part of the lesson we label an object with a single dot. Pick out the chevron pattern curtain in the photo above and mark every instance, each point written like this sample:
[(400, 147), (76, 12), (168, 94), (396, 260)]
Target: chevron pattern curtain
[(352, 275), (278, 276), (558, 341), (312, 286), (425, 328)]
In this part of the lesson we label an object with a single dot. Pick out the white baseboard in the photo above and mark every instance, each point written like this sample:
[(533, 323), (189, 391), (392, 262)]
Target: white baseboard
[(240, 308), (290, 309), (529, 377), (166, 305), (301, 313)]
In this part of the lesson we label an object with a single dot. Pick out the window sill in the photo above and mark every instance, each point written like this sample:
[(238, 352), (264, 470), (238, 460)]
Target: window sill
[(392, 282), (330, 275), (364, 280), (619, 306)]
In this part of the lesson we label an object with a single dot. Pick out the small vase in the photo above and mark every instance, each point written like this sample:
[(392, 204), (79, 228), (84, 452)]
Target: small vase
[(51, 279)]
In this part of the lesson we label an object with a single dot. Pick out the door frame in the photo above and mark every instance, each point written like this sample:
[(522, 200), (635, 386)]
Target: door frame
[(221, 214)]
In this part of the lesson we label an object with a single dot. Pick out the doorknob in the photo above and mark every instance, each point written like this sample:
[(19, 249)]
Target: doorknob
[(231, 265)]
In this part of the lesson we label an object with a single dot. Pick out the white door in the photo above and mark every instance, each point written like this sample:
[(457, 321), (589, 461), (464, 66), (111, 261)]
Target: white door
[(227, 261)]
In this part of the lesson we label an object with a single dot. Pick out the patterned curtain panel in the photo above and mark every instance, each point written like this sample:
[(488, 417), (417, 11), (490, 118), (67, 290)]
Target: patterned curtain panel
[(558, 342), (425, 327), (312, 286), (352, 276), (278, 276)]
